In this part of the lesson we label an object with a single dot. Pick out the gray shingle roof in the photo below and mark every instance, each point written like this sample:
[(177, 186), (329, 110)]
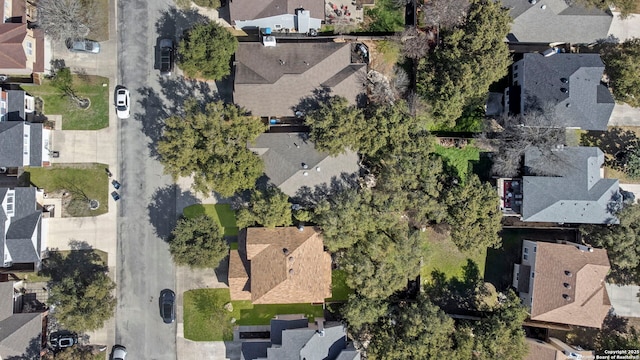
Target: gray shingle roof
[(20, 336), (284, 154), (570, 84), (15, 105), (567, 187), (35, 142), (301, 342), (272, 81), (6, 299), (25, 221), (11, 134), (557, 22), (257, 9)]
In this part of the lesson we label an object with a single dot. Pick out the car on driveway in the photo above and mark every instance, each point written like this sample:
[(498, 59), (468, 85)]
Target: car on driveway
[(166, 57), (123, 103), (118, 352), (168, 306), (83, 45), (62, 339)]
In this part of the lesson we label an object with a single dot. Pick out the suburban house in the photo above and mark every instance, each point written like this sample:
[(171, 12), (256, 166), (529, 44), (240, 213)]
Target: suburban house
[(563, 283), (22, 330), (21, 230), (554, 21), (283, 265), (293, 337), (568, 84), (564, 186), (23, 144), (16, 105), (21, 45), (554, 349), (273, 81), (293, 163), (279, 15)]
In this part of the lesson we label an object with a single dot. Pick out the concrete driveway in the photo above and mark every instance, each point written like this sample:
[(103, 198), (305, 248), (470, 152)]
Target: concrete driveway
[(624, 299), (623, 29), (624, 115)]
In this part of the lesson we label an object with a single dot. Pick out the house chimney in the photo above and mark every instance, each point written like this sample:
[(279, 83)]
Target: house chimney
[(285, 251)]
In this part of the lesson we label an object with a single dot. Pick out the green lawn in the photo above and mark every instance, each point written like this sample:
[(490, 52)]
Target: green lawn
[(459, 159), (339, 289), (440, 253), (81, 181), (73, 118), (205, 318), (221, 213)]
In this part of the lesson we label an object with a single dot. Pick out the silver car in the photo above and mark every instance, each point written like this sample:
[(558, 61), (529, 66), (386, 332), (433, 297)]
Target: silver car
[(84, 45), (118, 352)]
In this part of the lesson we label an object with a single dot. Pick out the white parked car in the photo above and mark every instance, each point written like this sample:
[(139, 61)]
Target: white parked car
[(122, 103), (119, 352)]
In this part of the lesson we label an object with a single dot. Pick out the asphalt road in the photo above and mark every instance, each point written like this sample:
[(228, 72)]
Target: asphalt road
[(148, 203)]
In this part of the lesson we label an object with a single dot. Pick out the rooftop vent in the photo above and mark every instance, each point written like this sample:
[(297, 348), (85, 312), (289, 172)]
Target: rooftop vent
[(290, 271), (533, 2), (306, 173), (543, 7), (566, 297), (305, 166), (564, 80), (564, 90), (567, 285), (568, 273), (290, 259), (318, 168), (285, 251), (300, 227)]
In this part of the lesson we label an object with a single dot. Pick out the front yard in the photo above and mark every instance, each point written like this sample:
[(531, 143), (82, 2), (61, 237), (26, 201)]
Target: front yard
[(461, 160), (75, 185), (206, 319), (74, 118), (221, 213)]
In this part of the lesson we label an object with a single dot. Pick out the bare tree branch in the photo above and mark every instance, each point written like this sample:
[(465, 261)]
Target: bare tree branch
[(445, 13), (66, 19)]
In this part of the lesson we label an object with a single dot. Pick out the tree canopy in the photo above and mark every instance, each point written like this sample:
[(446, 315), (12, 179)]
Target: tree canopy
[(471, 57), (206, 51), (198, 242), (421, 330), (210, 144), (622, 243), (269, 208), (67, 19), (625, 7), (80, 289), (622, 65), (474, 215)]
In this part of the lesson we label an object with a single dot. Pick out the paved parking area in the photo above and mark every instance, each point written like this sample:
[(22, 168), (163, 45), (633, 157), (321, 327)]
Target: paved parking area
[(624, 299)]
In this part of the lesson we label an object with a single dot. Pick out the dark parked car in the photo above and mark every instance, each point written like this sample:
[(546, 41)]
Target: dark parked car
[(115, 195), (62, 339), (168, 306), (166, 57)]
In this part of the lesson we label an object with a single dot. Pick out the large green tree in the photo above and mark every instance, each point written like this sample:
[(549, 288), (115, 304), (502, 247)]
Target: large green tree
[(336, 125), (198, 242), (622, 243), (206, 51), (622, 65), (269, 208), (625, 7), (474, 215), (81, 290), (417, 330), (210, 144), (471, 57)]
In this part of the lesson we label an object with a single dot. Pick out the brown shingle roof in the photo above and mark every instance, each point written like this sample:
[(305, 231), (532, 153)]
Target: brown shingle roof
[(272, 81), (12, 54), (258, 9), (583, 300), (286, 266)]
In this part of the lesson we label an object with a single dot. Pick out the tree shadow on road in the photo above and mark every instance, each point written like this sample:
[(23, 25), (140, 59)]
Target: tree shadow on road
[(162, 209), (174, 22), (152, 118), (179, 90)]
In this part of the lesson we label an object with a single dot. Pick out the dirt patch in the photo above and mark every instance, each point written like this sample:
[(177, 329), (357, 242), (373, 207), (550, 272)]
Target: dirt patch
[(68, 201), (383, 56)]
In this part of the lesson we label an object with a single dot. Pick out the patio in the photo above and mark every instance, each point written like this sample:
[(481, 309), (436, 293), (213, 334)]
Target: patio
[(343, 12)]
